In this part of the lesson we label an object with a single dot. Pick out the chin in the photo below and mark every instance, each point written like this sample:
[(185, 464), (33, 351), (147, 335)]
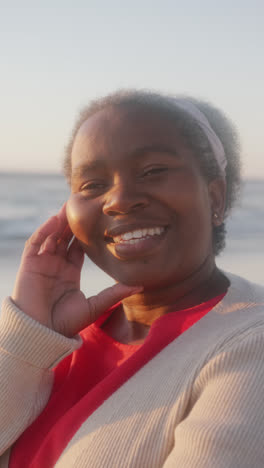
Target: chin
[(147, 279), (147, 272)]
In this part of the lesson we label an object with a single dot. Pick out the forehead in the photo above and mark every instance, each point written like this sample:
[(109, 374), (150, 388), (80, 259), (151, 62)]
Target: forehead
[(113, 131)]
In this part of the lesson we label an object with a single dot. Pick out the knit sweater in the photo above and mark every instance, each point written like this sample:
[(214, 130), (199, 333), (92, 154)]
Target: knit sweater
[(197, 403)]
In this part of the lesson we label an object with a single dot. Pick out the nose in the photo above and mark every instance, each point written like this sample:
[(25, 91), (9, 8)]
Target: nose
[(123, 198)]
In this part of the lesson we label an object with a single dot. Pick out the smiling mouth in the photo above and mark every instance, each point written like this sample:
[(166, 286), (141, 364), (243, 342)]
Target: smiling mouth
[(136, 236), (139, 243)]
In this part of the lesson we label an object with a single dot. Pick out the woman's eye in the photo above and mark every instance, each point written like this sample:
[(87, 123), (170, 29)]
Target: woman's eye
[(154, 170), (92, 186)]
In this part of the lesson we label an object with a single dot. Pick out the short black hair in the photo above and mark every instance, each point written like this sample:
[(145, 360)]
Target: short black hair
[(188, 127)]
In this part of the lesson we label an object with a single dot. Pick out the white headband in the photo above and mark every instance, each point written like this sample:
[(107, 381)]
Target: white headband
[(203, 123)]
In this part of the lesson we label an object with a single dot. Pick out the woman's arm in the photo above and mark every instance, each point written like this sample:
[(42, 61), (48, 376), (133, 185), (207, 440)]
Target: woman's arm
[(28, 352), (47, 286), (225, 426), (47, 290)]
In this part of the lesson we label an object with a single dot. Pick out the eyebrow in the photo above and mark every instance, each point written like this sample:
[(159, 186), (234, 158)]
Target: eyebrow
[(86, 167), (158, 148), (99, 163)]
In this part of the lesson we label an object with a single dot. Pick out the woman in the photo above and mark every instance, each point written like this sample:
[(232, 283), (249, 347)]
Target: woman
[(165, 368)]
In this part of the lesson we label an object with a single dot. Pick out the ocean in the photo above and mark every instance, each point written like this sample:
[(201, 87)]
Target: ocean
[(27, 200)]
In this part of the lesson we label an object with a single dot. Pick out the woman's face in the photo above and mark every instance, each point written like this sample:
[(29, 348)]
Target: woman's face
[(139, 203)]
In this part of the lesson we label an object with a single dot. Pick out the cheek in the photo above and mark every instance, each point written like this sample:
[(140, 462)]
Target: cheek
[(81, 217)]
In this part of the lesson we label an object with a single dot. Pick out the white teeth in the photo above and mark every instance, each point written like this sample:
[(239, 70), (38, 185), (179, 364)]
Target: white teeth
[(133, 236), (128, 235), (137, 234)]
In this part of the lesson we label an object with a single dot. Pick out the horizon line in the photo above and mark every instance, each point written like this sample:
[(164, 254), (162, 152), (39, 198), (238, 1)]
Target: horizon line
[(53, 173)]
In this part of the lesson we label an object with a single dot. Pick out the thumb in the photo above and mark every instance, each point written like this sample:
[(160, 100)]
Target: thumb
[(98, 304)]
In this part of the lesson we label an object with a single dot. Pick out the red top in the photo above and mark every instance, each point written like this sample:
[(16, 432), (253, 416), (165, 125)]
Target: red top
[(87, 377)]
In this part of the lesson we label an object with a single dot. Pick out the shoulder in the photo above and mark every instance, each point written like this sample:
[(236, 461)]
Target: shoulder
[(243, 304), (235, 320), (246, 289)]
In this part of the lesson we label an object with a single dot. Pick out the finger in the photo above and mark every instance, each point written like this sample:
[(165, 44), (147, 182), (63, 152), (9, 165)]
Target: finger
[(62, 247), (49, 246), (35, 242), (67, 234), (63, 221), (56, 224), (62, 212), (108, 297), (64, 242), (76, 253)]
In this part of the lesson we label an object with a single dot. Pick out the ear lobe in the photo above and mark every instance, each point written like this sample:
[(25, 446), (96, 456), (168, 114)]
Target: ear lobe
[(217, 193)]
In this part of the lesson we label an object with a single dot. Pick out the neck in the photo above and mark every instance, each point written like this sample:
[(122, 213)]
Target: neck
[(204, 284), (131, 322)]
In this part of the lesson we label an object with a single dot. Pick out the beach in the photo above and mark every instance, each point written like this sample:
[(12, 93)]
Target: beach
[(26, 200)]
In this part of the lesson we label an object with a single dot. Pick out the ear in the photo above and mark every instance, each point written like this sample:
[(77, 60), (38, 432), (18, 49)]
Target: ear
[(217, 194)]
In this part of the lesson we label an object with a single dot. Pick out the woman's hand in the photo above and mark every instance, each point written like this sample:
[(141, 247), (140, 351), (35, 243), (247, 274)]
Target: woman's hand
[(47, 286)]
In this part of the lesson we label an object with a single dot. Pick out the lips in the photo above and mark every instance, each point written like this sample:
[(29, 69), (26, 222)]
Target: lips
[(133, 237), (123, 233), (138, 242)]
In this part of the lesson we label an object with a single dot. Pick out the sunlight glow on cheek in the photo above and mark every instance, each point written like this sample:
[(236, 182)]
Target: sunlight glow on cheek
[(81, 221), (72, 214), (74, 218)]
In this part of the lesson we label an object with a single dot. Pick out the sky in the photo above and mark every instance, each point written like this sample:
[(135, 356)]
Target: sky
[(57, 55)]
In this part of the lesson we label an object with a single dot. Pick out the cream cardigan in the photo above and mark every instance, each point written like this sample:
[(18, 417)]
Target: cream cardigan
[(199, 403)]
